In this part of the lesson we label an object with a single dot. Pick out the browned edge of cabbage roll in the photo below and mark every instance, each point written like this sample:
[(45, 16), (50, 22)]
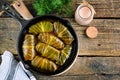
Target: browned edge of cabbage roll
[(29, 47), (43, 64)]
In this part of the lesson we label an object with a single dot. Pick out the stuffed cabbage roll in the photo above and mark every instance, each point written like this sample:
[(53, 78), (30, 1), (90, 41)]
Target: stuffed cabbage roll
[(64, 55), (47, 51), (43, 64), (42, 26), (29, 47), (51, 40), (63, 33)]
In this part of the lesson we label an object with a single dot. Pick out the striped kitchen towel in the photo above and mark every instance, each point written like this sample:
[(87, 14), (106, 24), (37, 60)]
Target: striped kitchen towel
[(10, 69)]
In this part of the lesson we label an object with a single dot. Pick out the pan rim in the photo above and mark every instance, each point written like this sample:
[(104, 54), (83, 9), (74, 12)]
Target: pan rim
[(63, 22)]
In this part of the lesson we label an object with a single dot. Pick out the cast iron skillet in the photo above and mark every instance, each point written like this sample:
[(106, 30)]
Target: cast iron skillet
[(24, 28)]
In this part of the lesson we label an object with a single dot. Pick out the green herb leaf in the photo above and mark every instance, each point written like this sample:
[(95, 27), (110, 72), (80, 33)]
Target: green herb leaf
[(43, 7)]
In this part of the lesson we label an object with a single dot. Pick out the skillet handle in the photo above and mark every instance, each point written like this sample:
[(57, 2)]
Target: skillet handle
[(21, 8), (11, 12)]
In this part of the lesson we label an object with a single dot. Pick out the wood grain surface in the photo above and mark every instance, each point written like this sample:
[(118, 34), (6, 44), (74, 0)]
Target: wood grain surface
[(104, 8), (89, 68), (98, 59), (105, 44), (81, 77), (107, 41)]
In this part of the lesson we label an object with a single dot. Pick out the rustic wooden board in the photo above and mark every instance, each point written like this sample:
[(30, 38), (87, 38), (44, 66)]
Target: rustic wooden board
[(107, 41), (80, 77), (90, 68), (106, 44), (103, 8), (9, 30), (95, 60), (95, 65)]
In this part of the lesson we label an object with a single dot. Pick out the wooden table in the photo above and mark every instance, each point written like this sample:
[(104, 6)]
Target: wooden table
[(98, 59)]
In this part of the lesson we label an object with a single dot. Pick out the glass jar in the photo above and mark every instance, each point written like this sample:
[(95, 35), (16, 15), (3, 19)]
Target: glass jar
[(84, 14)]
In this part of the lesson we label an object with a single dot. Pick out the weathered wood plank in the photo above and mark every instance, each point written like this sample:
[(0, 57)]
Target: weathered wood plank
[(80, 77), (106, 44), (95, 65), (9, 30), (103, 8), (92, 65), (90, 68), (107, 41)]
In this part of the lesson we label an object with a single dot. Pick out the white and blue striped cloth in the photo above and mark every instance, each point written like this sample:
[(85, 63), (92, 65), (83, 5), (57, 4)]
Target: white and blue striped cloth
[(10, 69)]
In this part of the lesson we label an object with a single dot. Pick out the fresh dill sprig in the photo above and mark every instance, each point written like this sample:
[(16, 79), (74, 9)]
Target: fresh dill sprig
[(43, 7)]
